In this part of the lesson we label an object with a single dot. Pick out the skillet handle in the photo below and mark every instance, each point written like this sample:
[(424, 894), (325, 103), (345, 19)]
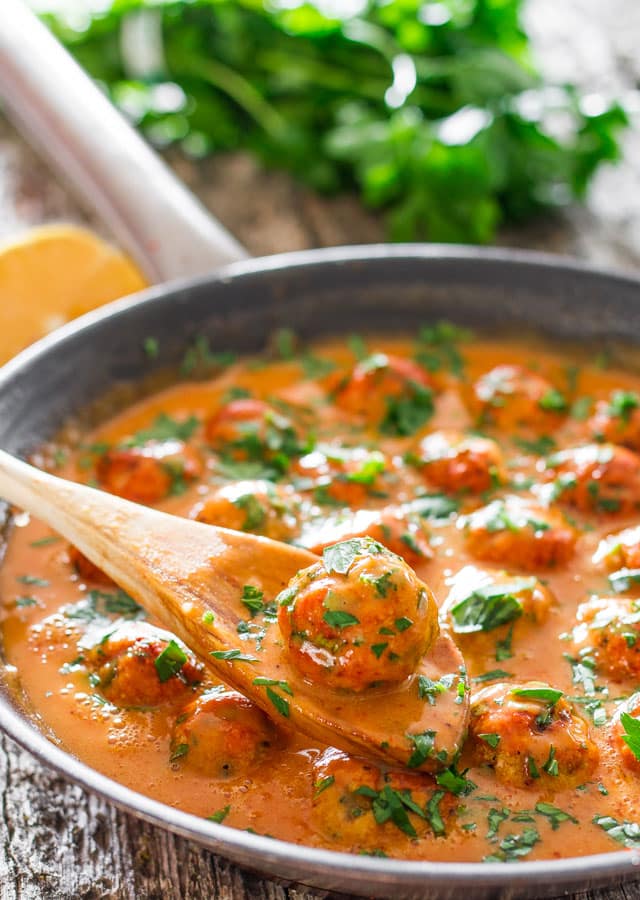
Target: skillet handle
[(56, 105)]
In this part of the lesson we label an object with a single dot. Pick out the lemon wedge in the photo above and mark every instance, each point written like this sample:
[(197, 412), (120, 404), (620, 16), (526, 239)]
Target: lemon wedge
[(52, 274)]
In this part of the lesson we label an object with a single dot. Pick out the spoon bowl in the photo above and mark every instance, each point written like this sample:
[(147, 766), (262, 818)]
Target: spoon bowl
[(192, 576)]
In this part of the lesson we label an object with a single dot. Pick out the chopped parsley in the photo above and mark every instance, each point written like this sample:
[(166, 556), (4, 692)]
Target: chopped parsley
[(253, 599), (491, 739), (394, 806), (543, 694), (423, 745), (489, 607), (170, 661), (340, 557), (151, 347), (339, 618), (429, 689), (199, 359), (622, 404), (625, 833), (178, 751), (45, 541), (542, 446), (515, 846), (233, 656), (555, 815), (631, 735), (220, 815), (255, 513), (164, 428), (493, 675), (24, 601), (433, 814), (323, 784), (280, 703), (408, 413), (553, 401), (378, 649), (33, 580)]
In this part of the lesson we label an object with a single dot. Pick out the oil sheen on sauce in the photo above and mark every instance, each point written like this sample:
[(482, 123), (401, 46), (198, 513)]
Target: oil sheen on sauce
[(49, 607)]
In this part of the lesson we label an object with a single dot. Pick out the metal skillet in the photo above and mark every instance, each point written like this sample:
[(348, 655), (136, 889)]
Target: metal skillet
[(377, 288)]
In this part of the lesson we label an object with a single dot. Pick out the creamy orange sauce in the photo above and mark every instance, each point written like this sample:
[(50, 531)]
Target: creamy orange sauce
[(278, 796)]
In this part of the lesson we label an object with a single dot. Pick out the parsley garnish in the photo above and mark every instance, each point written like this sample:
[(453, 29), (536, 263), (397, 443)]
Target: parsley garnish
[(233, 656), (408, 413), (164, 429), (543, 694), (220, 815), (339, 557), (338, 618), (631, 735), (323, 784), (493, 675), (170, 661), (255, 513), (555, 815), (515, 846), (489, 607), (253, 599), (33, 580), (422, 748), (625, 833)]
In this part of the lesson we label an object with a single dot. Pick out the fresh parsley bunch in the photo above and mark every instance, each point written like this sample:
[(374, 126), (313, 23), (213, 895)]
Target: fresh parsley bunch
[(432, 111)]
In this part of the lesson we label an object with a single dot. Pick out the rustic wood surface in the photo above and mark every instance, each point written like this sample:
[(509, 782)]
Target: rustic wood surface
[(56, 841)]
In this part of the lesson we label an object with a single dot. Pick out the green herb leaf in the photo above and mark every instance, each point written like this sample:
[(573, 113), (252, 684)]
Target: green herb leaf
[(631, 735), (338, 618), (233, 656), (220, 815), (543, 694), (170, 661)]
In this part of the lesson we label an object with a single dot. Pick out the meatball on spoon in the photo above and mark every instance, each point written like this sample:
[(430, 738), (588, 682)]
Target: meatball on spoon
[(217, 589)]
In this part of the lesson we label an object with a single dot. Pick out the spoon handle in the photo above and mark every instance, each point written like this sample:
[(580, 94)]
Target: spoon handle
[(105, 528), (57, 106)]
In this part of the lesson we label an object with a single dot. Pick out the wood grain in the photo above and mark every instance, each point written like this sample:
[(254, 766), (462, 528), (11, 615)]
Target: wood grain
[(56, 841)]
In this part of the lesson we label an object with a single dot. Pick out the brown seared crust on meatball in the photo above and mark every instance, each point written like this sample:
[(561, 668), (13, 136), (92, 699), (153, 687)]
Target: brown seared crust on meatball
[(85, 568), (139, 665), (512, 398), (609, 630), (357, 618), (345, 789), (260, 506), (377, 384), (617, 420), (622, 731), (459, 463), (146, 474), (531, 736), (222, 734), (519, 533), (600, 478)]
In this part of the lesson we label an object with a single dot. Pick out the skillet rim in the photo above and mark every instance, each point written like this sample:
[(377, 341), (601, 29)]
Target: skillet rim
[(313, 866)]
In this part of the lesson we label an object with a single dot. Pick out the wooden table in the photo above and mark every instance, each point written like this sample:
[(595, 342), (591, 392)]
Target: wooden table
[(57, 841)]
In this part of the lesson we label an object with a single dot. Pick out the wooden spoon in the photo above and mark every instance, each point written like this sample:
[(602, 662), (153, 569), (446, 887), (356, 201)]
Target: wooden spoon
[(181, 571)]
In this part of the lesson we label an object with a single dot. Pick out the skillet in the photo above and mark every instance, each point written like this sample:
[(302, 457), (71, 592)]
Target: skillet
[(317, 293)]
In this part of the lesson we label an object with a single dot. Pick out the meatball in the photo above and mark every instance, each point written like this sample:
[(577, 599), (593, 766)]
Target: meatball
[(482, 601), (138, 665), (600, 478), (358, 617), (403, 533), (85, 568), (531, 736), (610, 628), (513, 398), (619, 550), (617, 420), (261, 507), (517, 532), (621, 726), (390, 392), (249, 429), (457, 463), (343, 476), (222, 734), (149, 473), (345, 789)]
